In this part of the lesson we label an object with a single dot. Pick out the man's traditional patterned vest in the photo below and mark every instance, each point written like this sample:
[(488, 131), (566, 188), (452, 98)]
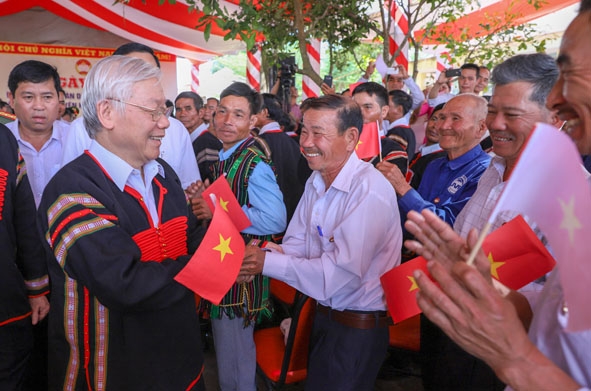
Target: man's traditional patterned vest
[(246, 300)]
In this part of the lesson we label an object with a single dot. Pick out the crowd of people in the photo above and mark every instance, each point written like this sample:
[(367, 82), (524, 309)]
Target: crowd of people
[(99, 215)]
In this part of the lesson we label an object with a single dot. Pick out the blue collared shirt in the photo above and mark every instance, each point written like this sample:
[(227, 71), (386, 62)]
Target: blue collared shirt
[(267, 211), (124, 174), (447, 185)]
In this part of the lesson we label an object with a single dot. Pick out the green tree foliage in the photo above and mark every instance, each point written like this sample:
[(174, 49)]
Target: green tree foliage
[(276, 25), (499, 37)]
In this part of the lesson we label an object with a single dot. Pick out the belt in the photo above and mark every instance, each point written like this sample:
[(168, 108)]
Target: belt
[(356, 319)]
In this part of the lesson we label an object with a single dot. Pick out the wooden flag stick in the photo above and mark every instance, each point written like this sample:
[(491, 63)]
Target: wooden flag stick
[(379, 141), (478, 244)]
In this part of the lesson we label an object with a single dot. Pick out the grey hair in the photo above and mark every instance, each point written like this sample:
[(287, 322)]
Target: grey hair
[(112, 78), (538, 69)]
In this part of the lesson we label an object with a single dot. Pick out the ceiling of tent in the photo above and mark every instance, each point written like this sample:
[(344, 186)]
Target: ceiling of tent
[(168, 27)]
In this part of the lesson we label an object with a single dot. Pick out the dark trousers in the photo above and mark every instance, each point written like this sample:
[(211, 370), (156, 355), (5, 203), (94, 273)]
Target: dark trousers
[(16, 343), (36, 373), (446, 366), (344, 358)]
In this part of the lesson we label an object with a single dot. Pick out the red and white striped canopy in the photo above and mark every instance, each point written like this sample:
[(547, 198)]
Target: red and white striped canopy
[(168, 27)]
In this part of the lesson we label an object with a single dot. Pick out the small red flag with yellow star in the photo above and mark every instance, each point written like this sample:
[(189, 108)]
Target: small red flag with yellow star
[(516, 255), (401, 289), (222, 191), (213, 268), (368, 145)]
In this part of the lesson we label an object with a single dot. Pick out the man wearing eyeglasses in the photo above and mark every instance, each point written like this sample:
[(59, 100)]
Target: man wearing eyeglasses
[(118, 229), (176, 148)]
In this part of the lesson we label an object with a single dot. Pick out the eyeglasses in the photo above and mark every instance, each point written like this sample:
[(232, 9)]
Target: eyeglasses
[(155, 113)]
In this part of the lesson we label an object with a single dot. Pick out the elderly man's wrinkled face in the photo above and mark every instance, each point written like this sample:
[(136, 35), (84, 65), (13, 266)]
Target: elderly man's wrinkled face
[(459, 130), (324, 148), (570, 96), (137, 133), (511, 118), (188, 114)]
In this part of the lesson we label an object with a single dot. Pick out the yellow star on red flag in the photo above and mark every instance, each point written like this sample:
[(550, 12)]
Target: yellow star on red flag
[(358, 144), (494, 266), (224, 247), (413, 283), (224, 204)]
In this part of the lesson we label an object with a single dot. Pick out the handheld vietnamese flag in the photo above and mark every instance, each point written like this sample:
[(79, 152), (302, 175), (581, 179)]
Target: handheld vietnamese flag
[(228, 202), (516, 255), (548, 185), (213, 269), (368, 145), (401, 289)]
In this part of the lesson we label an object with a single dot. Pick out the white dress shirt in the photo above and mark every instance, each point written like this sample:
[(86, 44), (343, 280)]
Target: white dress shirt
[(342, 239), (43, 164)]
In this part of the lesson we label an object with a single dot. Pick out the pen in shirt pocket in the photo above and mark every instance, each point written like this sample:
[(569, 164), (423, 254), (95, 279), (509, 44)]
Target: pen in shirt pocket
[(319, 231)]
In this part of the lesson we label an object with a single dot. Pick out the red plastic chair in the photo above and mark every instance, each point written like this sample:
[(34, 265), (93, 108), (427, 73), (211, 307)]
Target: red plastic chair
[(407, 334), (281, 363)]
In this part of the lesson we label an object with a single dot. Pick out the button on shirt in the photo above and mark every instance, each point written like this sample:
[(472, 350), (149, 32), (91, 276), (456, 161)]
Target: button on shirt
[(43, 164), (341, 239)]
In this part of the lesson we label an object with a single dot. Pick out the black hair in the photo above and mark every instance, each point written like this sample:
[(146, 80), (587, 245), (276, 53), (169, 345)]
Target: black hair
[(136, 47), (401, 98), (348, 112), (33, 71), (372, 88), (255, 101), (473, 66), (273, 106)]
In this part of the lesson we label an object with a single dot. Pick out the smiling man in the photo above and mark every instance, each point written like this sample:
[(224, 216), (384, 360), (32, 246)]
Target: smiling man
[(448, 182), (176, 146), (464, 303), (521, 85), (120, 321), (344, 235), (254, 184)]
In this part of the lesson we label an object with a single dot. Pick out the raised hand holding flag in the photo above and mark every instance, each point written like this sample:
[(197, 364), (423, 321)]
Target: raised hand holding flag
[(214, 267), (516, 255), (549, 186)]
